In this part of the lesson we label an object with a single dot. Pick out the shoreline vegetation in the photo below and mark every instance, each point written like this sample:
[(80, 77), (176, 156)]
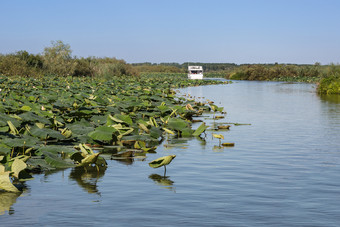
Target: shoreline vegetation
[(57, 60)]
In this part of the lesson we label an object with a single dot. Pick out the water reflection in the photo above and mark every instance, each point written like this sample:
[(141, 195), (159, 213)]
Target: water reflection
[(7, 199), (330, 98), (163, 181), (87, 178)]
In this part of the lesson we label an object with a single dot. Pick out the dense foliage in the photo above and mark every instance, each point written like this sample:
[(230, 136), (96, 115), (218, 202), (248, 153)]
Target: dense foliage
[(57, 60), (330, 83), (308, 73), (54, 122)]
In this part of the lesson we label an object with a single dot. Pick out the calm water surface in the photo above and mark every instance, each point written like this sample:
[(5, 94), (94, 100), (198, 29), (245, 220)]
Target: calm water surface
[(283, 171)]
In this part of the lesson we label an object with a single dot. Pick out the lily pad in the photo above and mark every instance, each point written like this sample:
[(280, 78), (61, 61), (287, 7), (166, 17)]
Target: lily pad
[(102, 133)]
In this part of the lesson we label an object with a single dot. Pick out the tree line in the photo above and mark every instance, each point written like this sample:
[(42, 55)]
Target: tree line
[(57, 60)]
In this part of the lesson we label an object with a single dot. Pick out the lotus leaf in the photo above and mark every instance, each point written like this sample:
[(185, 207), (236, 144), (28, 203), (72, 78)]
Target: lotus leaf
[(143, 127), (90, 159), (54, 149), (32, 117), (146, 138), (4, 129), (4, 149), (178, 124), (123, 119), (99, 120), (26, 141), (26, 108), (45, 133), (13, 129), (218, 136), (66, 132), (56, 162), (200, 129), (228, 144), (102, 133), (17, 166), (5, 182), (155, 132), (162, 161)]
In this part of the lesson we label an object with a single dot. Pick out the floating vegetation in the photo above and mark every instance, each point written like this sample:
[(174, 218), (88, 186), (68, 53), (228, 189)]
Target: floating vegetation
[(237, 124), (64, 122), (223, 127), (228, 144)]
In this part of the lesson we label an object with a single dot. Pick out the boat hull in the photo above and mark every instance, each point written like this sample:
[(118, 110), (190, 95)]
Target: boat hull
[(195, 76)]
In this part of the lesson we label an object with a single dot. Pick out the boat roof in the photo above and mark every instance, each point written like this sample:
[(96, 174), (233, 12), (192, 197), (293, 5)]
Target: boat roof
[(195, 67)]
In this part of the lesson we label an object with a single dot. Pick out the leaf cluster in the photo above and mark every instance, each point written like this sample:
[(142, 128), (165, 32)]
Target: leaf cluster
[(50, 121)]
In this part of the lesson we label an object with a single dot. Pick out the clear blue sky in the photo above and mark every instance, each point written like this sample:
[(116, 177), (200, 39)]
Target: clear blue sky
[(233, 31)]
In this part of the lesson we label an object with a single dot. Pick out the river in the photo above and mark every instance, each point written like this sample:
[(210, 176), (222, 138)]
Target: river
[(284, 170)]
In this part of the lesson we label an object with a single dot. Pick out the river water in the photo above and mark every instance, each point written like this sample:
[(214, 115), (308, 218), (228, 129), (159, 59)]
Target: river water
[(284, 170)]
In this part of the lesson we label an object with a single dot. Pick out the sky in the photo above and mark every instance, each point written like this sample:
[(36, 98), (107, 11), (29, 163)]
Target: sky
[(210, 31)]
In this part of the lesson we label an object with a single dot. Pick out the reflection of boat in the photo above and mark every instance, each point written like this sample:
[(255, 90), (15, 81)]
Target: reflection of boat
[(195, 72)]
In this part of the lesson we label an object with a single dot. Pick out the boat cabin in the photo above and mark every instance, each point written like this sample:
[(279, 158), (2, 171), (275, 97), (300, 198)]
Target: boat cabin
[(195, 72)]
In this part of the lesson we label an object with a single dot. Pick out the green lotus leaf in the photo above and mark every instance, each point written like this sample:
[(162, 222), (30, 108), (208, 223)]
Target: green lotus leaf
[(4, 149), (178, 124), (26, 108), (4, 129), (80, 128), (56, 161), (186, 132), (55, 149), (146, 138), (123, 119), (3, 123), (99, 120), (155, 132), (102, 133), (200, 129), (5, 118), (26, 141), (164, 109), (45, 133), (32, 117), (162, 161)]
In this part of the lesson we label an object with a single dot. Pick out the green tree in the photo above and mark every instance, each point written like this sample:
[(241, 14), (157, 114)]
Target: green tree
[(58, 59)]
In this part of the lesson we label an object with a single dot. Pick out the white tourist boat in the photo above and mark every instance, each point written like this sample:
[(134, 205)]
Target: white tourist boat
[(195, 72)]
